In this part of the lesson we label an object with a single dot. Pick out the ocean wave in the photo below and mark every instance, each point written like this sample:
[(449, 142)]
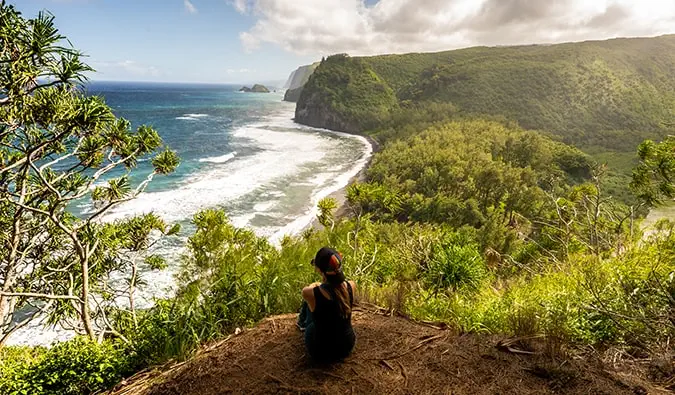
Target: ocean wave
[(192, 117), (219, 159), (280, 154)]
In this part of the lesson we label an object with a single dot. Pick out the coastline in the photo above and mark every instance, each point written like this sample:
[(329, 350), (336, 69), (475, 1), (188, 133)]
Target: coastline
[(340, 195)]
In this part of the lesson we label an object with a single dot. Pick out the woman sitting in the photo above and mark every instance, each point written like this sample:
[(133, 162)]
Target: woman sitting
[(326, 314)]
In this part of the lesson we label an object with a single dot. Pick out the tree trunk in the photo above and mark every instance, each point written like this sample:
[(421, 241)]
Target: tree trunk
[(86, 315), (132, 289)]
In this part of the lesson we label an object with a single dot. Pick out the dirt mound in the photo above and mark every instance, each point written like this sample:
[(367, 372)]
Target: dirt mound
[(393, 356)]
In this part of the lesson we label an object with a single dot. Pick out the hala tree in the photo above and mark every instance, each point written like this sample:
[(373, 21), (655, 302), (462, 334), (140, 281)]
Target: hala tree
[(654, 177), (57, 146)]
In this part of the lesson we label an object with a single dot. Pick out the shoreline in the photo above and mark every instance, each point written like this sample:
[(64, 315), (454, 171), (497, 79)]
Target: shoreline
[(340, 195)]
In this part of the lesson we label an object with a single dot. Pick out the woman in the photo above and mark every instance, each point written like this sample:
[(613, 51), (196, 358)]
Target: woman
[(326, 314)]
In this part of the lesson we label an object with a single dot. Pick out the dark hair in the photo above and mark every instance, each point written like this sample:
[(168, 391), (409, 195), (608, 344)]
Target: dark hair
[(329, 262)]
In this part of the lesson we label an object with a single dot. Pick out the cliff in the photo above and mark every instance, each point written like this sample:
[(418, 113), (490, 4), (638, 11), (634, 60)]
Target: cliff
[(609, 94), (344, 94), (297, 80)]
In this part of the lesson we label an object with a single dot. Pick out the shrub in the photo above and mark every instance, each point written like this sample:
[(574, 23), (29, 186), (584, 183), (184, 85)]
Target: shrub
[(74, 367), (456, 266)]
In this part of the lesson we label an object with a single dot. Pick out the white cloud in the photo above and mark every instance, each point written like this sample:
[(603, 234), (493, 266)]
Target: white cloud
[(239, 71), (240, 5), (189, 7), (128, 68), (332, 26)]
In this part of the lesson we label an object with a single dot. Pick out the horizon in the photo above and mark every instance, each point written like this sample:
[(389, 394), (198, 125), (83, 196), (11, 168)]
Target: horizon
[(244, 83), (253, 41)]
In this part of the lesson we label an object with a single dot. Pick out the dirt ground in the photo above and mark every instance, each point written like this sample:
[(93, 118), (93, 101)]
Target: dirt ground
[(393, 356)]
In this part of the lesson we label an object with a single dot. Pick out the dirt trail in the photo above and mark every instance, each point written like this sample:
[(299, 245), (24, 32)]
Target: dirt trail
[(392, 356)]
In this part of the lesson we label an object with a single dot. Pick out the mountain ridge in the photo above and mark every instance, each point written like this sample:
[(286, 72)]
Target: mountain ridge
[(587, 93)]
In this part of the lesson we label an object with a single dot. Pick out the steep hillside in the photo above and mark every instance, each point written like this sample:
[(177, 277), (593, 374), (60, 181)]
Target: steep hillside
[(345, 94), (608, 94), (297, 80)]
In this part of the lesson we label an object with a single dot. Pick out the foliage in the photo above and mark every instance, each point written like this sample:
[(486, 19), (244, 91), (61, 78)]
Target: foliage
[(600, 96), (357, 97), (611, 93), (56, 147), (456, 266), (76, 367), (327, 207), (654, 177)]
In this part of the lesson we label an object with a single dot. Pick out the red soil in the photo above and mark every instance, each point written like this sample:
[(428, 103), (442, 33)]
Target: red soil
[(393, 355)]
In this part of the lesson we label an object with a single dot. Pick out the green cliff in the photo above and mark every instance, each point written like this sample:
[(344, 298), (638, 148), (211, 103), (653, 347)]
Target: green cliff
[(606, 94), (345, 94)]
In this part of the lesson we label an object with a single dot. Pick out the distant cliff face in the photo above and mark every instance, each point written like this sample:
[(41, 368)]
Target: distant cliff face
[(293, 95), (297, 80)]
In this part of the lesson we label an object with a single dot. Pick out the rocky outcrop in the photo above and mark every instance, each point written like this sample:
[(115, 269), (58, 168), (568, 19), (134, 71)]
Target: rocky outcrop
[(257, 88), (293, 95), (311, 111)]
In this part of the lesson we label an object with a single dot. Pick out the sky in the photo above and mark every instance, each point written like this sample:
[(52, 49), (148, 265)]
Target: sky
[(247, 41)]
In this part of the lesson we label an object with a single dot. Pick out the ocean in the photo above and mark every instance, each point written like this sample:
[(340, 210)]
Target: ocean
[(240, 152)]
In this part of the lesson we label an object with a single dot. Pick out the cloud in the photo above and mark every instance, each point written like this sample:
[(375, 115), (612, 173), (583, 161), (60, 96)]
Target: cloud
[(128, 68), (239, 71), (332, 26), (189, 7), (240, 5)]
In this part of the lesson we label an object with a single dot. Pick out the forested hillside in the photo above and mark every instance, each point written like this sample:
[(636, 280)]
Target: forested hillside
[(610, 94)]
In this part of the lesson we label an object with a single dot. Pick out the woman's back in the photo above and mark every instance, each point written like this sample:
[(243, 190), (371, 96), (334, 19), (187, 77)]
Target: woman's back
[(332, 335)]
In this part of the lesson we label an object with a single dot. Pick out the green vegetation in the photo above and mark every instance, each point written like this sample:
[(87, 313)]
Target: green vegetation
[(476, 223), (354, 96), (604, 97), (611, 94)]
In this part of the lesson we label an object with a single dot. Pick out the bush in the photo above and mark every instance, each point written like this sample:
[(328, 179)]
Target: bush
[(456, 265), (74, 367)]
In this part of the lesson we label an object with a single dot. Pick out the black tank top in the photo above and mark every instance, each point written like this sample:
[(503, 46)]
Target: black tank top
[(331, 326)]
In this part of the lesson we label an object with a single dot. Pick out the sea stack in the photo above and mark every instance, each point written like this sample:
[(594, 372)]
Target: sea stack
[(257, 88)]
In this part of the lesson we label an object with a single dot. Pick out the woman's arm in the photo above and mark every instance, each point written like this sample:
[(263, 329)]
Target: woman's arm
[(308, 295)]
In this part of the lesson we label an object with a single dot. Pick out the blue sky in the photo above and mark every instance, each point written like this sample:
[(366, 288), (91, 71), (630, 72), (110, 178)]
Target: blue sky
[(246, 41), (161, 40)]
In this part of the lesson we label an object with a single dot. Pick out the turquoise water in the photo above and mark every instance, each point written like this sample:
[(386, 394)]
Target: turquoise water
[(239, 151)]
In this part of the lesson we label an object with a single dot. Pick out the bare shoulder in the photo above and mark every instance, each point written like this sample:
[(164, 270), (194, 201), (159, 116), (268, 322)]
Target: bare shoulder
[(308, 292)]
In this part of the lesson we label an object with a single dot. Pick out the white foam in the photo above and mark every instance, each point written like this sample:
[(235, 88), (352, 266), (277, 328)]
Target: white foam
[(341, 181), (265, 206), (219, 159), (283, 154), (192, 117)]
